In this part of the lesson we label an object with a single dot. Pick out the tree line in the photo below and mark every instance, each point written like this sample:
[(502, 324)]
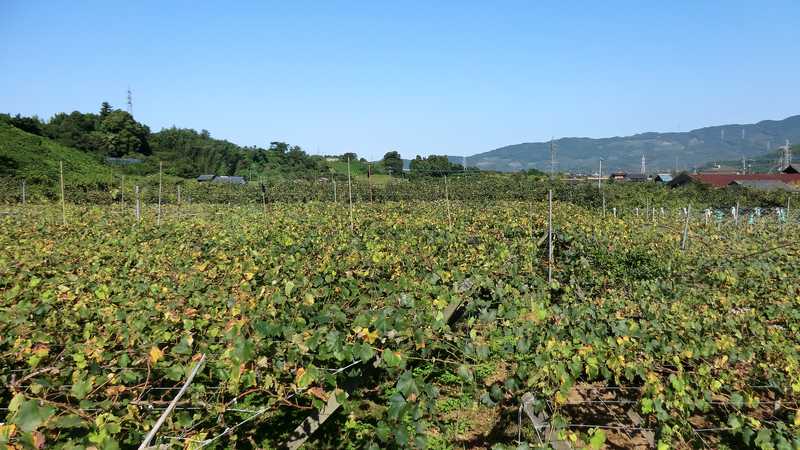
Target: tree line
[(187, 153), (114, 133)]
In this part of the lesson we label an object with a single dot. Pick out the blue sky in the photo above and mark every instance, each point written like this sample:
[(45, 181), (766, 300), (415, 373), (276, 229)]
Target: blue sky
[(419, 77)]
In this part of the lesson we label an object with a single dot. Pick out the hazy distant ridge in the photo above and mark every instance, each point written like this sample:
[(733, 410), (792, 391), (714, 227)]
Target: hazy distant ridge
[(692, 148)]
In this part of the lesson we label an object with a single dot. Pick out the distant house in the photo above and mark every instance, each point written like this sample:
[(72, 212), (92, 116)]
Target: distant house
[(663, 178), (725, 179), (791, 168), (636, 177), (617, 176), (221, 179), (229, 179), (122, 161), (764, 185)]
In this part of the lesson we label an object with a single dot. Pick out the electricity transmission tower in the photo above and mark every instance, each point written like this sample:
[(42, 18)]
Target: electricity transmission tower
[(644, 165), (786, 155), (130, 101)]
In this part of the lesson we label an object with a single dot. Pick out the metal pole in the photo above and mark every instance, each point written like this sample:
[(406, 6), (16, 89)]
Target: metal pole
[(788, 202), (600, 174), (23, 193), (172, 404), (122, 191), (686, 228)]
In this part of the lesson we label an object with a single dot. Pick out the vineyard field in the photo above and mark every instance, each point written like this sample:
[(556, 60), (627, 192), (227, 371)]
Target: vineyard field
[(432, 323)]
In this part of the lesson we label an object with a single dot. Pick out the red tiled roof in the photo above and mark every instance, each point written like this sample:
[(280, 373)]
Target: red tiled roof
[(719, 179)]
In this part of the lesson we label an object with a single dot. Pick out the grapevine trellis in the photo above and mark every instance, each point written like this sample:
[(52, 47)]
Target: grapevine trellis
[(511, 250)]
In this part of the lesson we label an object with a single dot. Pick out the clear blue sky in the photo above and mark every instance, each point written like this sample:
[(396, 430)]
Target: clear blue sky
[(419, 77)]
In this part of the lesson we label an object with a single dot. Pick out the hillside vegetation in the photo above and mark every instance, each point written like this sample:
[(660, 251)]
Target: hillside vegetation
[(36, 159)]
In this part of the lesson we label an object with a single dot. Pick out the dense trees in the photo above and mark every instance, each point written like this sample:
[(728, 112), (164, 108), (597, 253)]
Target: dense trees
[(30, 124), (122, 135), (188, 153), (110, 133), (393, 163), (434, 166), (349, 156)]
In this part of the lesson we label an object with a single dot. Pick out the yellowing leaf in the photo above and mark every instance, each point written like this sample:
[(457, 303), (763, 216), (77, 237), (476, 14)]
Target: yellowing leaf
[(155, 354), (370, 336)]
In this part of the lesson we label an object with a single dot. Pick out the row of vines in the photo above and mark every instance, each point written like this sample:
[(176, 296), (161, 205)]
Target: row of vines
[(429, 322)]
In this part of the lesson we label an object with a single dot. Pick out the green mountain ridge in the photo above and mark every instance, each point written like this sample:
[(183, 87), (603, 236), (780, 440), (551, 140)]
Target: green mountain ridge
[(663, 151)]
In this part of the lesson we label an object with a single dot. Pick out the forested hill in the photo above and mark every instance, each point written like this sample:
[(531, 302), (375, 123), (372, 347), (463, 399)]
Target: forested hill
[(185, 152), (662, 150)]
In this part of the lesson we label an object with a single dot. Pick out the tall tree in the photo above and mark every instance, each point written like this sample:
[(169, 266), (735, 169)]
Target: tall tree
[(123, 134), (105, 110)]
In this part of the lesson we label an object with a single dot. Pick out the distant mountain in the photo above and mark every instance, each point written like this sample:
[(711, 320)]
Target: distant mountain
[(661, 150)]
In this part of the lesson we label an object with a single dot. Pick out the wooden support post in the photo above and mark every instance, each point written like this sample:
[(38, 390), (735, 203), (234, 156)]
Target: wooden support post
[(264, 198), (350, 194), (369, 180), (160, 167), (604, 201), (335, 200), (122, 191), (550, 236), (447, 204), (63, 204), (23, 193), (172, 404), (137, 210)]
